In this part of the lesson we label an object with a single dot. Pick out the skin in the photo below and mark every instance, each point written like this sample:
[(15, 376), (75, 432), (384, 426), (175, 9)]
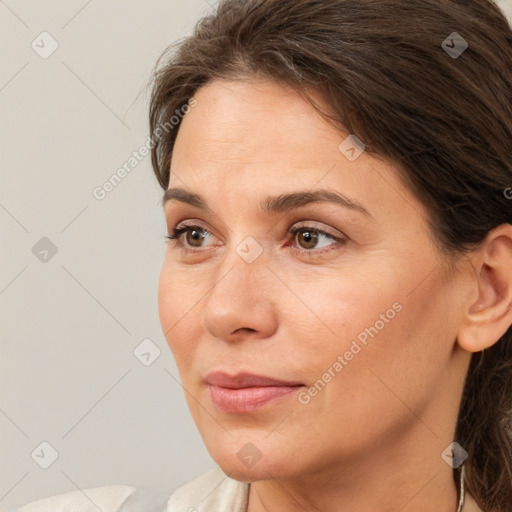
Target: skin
[(372, 438)]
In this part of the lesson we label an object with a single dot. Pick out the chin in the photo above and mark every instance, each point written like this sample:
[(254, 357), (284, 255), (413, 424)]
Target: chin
[(262, 470), (250, 461)]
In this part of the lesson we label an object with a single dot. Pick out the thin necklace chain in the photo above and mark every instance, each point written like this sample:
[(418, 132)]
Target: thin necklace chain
[(462, 491)]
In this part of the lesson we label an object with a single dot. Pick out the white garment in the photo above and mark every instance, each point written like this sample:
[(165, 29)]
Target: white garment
[(211, 492), (107, 499)]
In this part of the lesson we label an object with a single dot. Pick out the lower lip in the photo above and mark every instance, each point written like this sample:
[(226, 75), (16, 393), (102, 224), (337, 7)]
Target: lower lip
[(235, 401)]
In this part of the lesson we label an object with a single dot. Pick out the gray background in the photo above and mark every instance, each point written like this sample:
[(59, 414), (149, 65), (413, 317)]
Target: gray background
[(70, 323)]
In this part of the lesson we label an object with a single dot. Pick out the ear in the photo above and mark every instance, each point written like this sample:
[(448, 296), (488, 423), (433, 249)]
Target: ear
[(488, 317)]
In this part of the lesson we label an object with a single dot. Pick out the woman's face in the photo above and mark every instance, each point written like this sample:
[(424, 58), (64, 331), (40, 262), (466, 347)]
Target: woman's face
[(356, 321)]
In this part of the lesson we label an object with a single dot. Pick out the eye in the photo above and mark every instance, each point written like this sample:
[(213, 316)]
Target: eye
[(306, 236), (197, 234)]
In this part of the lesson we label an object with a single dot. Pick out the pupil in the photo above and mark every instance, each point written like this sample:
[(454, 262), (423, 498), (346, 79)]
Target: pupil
[(308, 237), (195, 234)]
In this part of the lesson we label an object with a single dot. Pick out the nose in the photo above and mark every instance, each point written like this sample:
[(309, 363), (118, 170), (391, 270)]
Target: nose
[(243, 301)]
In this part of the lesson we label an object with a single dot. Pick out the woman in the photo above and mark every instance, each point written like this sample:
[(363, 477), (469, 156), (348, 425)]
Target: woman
[(337, 286)]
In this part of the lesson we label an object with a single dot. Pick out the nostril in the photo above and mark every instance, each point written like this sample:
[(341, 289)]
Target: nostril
[(244, 329)]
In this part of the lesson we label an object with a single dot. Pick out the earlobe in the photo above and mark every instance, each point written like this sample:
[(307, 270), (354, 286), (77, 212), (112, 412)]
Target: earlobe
[(488, 317)]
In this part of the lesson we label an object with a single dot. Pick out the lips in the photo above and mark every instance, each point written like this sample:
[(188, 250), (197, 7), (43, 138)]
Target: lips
[(245, 392), (245, 380)]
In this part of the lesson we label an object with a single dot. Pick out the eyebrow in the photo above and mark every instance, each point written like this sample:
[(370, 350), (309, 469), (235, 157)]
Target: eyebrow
[(273, 204)]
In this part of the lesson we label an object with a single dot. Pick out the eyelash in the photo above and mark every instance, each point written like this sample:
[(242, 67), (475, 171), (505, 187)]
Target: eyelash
[(179, 231)]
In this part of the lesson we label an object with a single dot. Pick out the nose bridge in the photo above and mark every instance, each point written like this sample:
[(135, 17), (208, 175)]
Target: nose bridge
[(245, 262), (241, 296)]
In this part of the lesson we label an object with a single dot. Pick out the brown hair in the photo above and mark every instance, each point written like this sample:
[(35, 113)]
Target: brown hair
[(385, 72)]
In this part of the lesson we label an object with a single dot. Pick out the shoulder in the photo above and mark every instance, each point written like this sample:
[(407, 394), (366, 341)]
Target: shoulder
[(212, 491), (107, 499)]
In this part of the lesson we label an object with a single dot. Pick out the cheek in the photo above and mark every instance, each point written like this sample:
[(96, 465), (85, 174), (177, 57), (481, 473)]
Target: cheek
[(176, 299), (166, 302), (349, 307), (374, 325)]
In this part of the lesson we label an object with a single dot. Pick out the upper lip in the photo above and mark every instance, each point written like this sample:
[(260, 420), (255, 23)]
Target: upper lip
[(245, 380)]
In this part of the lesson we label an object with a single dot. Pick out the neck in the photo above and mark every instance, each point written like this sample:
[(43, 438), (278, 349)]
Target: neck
[(410, 478)]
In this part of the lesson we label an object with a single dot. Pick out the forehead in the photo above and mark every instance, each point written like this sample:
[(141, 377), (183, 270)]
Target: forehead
[(254, 130), (263, 117), (251, 139)]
